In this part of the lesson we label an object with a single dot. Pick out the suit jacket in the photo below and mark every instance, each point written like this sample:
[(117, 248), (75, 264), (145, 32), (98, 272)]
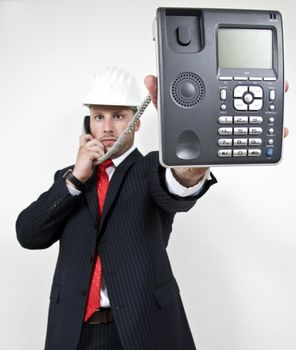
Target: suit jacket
[(131, 238)]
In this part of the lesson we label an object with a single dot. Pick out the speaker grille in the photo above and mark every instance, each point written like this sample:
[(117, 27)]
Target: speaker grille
[(187, 90)]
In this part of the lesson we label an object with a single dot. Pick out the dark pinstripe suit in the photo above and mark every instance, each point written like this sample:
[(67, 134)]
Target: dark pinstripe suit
[(131, 238)]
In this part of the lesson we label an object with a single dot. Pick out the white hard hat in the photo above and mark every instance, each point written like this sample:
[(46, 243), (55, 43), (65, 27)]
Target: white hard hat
[(114, 86)]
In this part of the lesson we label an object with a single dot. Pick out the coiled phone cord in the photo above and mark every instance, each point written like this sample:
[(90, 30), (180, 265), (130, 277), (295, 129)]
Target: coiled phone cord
[(128, 130)]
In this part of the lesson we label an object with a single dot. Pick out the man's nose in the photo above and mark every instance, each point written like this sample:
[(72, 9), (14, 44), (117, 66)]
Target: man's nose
[(108, 125)]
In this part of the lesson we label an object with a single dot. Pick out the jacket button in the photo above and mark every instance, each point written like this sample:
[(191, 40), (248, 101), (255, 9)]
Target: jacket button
[(90, 259), (82, 292)]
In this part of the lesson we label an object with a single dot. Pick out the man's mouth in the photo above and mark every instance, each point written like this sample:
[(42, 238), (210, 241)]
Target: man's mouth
[(109, 141)]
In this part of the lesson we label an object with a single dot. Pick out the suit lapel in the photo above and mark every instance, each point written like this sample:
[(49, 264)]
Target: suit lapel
[(116, 180)]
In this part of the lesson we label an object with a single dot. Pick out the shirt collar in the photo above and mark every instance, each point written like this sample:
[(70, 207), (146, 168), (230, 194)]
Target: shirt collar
[(118, 160)]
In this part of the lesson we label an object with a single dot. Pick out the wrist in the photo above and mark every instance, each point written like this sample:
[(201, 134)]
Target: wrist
[(189, 177), (73, 180)]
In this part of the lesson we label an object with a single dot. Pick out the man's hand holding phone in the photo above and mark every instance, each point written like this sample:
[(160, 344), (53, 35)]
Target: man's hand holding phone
[(90, 150)]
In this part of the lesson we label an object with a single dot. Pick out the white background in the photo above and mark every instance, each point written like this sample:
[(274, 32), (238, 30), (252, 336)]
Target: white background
[(233, 254)]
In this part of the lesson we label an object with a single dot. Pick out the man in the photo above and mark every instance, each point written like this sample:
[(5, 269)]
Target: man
[(113, 286)]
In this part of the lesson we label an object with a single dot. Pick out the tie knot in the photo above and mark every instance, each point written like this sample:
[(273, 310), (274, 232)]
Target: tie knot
[(106, 164)]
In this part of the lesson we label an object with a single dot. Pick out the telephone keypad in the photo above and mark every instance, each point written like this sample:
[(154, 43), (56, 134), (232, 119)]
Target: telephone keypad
[(248, 130), (243, 135)]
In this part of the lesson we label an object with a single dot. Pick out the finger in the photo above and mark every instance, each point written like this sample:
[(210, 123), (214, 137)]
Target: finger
[(94, 155), (84, 138), (286, 85), (93, 142), (151, 84), (286, 132), (96, 148)]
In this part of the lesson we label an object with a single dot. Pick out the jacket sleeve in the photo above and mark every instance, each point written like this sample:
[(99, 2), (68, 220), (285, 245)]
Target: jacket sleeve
[(39, 225), (163, 198)]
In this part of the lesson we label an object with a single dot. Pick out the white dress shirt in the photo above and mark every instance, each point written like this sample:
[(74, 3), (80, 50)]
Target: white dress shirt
[(173, 185)]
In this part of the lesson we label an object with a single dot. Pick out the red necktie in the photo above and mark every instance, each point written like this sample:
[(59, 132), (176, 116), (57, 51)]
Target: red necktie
[(93, 301)]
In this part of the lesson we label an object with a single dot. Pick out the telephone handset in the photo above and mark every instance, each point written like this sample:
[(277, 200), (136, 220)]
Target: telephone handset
[(130, 127), (86, 124)]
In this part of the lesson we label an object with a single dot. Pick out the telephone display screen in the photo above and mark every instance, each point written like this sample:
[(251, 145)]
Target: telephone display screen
[(245, 48)]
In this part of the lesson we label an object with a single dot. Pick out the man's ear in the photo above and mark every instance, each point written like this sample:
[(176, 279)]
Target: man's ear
[(138, 124)]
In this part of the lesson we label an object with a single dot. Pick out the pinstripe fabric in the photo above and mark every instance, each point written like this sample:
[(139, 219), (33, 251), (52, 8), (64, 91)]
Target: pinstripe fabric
[(102, 337), (131, 239)]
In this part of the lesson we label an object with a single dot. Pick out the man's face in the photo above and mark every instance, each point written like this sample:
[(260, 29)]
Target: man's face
[(108, 122)]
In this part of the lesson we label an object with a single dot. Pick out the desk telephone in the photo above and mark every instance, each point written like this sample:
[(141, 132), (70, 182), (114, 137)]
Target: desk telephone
[(220, 87)]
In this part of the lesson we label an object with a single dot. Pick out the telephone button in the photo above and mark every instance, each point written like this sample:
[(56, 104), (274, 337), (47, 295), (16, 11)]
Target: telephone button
[(256, 105), (225, 142), (240, 131), (269, 152), (256, 91), (255, 78), (254, 152), (225, 120), (270, 130), (255, 131), (272, 95), (255, 142), (248, 98), (240, 90), (240, 153), (225, 153), (240, 142), (240, 120), (256, 120), (225, 131), (239, 105), (240, 78), (225, 78), (223, 94), (271, 120)]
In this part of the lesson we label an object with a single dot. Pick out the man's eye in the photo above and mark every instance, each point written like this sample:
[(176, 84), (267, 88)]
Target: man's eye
[(118, 116), (99, 117)]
